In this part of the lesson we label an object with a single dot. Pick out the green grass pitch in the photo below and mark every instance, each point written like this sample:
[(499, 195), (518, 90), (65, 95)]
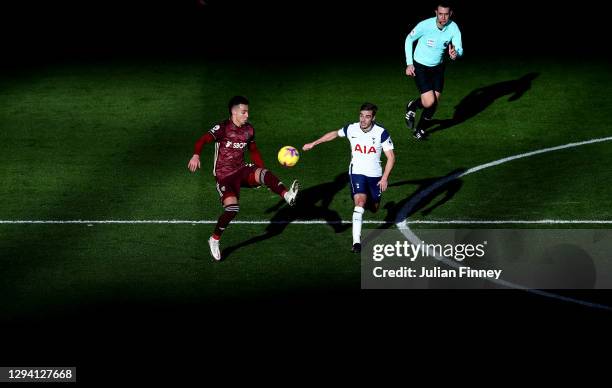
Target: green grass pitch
[(111, 141)]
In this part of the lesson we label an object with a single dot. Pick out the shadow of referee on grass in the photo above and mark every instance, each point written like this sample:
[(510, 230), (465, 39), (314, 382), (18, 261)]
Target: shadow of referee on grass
[(312, 204), (480, 99), (430, 195)]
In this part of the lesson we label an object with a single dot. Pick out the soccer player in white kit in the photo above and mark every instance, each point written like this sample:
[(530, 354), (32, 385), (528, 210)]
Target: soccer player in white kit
[(367, 179)]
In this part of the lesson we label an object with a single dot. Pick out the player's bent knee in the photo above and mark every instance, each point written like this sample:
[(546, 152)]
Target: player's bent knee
[(360, 202), (260, 173), (427, 99), (230, 201), (252, 179)]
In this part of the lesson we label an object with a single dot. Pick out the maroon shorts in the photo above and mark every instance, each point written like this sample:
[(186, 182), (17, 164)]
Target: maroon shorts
[(230, 185)]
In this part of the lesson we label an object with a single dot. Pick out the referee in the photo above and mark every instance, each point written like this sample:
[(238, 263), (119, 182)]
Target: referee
[(435, 36)]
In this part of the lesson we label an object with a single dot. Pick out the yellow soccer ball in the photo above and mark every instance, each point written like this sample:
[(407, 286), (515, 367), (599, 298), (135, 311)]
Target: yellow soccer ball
[(288, 156)]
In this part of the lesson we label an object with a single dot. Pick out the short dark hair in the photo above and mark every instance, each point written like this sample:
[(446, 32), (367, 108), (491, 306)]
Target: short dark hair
[(236, 100), (369, 106), (444, 4)]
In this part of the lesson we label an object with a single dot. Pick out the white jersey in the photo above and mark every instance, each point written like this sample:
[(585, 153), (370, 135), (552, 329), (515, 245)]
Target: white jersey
[(366, 148)]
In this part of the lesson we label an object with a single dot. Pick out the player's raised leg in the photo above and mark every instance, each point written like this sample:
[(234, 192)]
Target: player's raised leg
[(267, 178)]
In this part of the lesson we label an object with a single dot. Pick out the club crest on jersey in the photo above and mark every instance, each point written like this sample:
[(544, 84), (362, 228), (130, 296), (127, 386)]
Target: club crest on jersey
[(364, 149)]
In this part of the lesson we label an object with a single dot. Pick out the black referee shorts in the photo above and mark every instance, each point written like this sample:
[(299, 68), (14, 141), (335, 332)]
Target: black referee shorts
[(429, 78)]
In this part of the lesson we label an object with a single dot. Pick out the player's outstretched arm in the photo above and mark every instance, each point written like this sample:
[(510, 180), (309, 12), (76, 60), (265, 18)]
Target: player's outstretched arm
[(325, 138), (384, 180)]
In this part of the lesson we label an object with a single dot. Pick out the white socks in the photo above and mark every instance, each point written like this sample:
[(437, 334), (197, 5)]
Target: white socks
[(357, 220)]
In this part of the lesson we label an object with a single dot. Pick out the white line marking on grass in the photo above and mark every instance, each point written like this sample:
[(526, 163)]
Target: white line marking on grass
[(184, 222), (402, 214), (508, 222), (528, 154), (312, 222), (402, 223)]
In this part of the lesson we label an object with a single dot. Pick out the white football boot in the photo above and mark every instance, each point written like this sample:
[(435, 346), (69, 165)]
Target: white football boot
[(291, 195), (214, 248)]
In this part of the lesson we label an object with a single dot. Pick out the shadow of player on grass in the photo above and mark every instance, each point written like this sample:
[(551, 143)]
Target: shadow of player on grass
[(480, 99), (423, 200), (312, 204)]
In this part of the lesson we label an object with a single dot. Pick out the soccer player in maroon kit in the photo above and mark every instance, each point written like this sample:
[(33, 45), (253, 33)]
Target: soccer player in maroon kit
[(231, 137)]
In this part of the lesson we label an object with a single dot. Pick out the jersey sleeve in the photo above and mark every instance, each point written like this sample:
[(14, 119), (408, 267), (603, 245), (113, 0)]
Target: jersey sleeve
[(342, 132), (217, 132), (385, 141), (255, 155), (412, 37), (205, 139), (456, 41), (251, 135)]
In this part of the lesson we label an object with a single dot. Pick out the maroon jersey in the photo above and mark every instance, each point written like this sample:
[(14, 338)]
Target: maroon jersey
[(230, 144)]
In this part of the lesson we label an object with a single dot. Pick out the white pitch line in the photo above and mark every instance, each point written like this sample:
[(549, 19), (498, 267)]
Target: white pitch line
[(508, 222), (403, 224), (528, 154), (312, 222), (403, 214), (184, 222)]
